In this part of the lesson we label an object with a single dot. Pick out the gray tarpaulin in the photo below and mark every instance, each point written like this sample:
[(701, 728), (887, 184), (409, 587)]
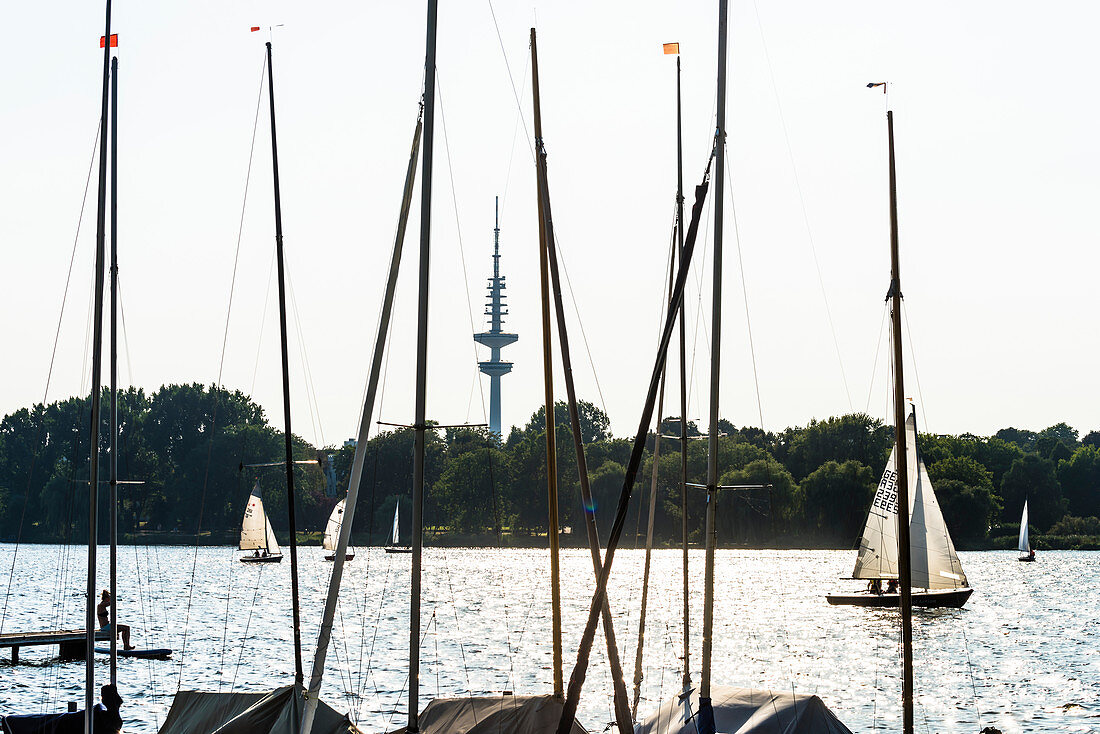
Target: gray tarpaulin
[(200, 712), (492, 715), (747, 711)]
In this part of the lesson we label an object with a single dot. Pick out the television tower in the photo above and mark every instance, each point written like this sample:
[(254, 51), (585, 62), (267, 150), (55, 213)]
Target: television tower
[(495, 338)]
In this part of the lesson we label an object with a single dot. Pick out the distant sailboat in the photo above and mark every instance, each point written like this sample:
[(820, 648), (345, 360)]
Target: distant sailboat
[(1027, 555), (256, 533), (936, 570), (395, 540), (332, 532)]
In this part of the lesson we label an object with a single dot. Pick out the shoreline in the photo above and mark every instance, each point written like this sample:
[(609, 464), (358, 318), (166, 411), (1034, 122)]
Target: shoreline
[(458, 540)]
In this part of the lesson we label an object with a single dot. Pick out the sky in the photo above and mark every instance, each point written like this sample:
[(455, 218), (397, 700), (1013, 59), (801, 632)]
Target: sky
[(997, 184)]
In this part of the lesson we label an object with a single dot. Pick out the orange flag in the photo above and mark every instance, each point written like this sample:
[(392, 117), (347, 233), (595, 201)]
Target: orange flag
[(255, 28), (114, 41), (672, 48)]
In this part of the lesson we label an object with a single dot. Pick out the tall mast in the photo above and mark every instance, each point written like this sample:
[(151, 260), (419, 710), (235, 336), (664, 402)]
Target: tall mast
[(355, 479), (584, 649), (706, 712), (905, 574), (623, 718), (114, 366), (421, 370), (97, 355), (683, 378), (287, 433), (548, 388)]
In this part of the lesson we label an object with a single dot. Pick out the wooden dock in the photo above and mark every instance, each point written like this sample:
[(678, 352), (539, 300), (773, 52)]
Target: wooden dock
[(71, 644)]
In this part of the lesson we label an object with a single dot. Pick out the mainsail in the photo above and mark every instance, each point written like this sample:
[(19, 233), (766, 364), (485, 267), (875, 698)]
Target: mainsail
[(396, 529), (256, 532), (1025, 546), (935, 564), (332, 530)]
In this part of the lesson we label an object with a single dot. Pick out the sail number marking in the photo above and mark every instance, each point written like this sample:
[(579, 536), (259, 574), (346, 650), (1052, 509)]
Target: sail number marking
[(886, 498)]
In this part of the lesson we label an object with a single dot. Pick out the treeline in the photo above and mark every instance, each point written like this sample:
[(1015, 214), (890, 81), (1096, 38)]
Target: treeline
[(192, 448)]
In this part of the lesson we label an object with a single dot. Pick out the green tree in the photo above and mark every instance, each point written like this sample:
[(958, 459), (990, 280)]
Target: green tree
[(1080, 480), (963, 469), (1023, 438), (856, 436), (470, 491), (967, 509), (1033, 478), (757, 515), (836, 497)]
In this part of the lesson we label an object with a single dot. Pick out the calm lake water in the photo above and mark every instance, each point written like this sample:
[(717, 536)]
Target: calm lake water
[(1023, 655)]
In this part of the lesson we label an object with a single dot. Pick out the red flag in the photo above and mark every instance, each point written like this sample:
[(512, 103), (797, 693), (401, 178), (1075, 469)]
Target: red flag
[(114, 41), (255, 28)]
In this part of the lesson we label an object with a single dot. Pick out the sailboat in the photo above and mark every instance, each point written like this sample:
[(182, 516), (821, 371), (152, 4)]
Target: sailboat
[(1027, 555), (395, 539), (938, 577), (332, 532), (256, 533)]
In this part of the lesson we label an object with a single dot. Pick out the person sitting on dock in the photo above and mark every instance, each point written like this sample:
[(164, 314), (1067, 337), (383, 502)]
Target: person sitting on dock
[(103, 612)]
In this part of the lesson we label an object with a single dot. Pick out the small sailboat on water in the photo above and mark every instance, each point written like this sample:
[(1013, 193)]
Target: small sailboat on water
[(332, 532), (938, 577), (1027, 554), (256, 533), (395, 539)]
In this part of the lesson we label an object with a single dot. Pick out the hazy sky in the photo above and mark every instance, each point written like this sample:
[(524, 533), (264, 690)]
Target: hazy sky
[(995, 115)]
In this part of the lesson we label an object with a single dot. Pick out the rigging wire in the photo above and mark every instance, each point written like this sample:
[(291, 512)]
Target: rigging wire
[(263, 323), (461, 248), (221, 367), (511, 80), (913, 359), (49, 377), (312, 403), (874, 364), (802, 203)]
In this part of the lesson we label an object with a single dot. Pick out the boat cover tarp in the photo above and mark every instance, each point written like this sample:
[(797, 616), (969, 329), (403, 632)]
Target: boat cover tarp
[(492, 715), (246, 713), (746, 711)]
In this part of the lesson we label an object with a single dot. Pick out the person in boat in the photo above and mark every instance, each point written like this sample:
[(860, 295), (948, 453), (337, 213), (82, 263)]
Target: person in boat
[(255, 554), (1031, 554), (103, 612), (892, 586), (875, 586)]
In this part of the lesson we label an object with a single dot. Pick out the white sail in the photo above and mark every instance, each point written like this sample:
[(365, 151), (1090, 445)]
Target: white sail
[(1025, 546), (256, 532), (396, 529), (935, 564), (332, 530)]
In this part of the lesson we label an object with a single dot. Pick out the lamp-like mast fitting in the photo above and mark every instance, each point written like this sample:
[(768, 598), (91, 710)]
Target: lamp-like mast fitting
[(495, 338)]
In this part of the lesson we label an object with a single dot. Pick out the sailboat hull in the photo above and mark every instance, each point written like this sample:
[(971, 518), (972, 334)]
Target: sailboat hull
[(947, 598), (398, 549), (347, 557), (261, 559), (1026, 559)]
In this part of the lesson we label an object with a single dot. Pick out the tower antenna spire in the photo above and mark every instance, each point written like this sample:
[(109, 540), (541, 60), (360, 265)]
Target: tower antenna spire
[(495, 338)]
